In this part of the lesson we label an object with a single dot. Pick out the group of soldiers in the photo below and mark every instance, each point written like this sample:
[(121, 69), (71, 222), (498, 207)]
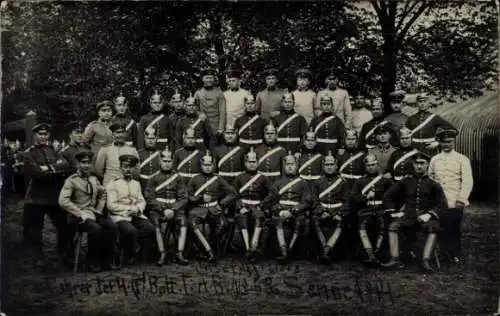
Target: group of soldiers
[(267, 166)]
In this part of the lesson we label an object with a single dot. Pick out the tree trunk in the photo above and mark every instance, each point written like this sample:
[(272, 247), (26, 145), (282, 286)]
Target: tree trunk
[(389, 72), (218, 45)]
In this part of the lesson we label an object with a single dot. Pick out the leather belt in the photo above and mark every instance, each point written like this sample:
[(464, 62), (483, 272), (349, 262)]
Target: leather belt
[(167, 201), (230, 174), (327, 140), (211, 204), (250, 202), (350, 176), (251, 141), (328, 205), (309, 177), (188, 175), (289, 139), (288, 202), (423, 140), (374, 203), (270, 174)]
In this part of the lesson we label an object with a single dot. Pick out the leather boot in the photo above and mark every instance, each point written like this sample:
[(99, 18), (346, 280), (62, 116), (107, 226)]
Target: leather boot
[(180, 259)]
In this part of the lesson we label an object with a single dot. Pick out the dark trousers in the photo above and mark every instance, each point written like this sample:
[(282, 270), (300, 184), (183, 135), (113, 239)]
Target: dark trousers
[(451, 234), (34, 215), (138, 231)]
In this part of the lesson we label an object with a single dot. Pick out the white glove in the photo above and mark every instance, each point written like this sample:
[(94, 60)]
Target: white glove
[(285, 214), (424, 217), (84, 217), (370, 194), (275, 113), (432, 145), (168, 213), (325, 215), (397, 215), (243, 211), (337, 217)]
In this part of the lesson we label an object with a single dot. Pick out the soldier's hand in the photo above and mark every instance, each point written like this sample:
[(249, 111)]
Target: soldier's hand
[(207, 198), (168, 213), (459, 204), (243, 210), (202, 116), (219, 208), (370, 195), (387, 175), (424, 218), (432, 145), (337, 217), (341, 151), (275, 113), (325, 215), (285, 214)]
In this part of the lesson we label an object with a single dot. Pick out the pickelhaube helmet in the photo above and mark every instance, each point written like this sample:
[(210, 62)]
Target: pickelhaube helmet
[(190, 100), (176, 96), (405, 132), (329, 158), (251, 156), (270, 127), (249, 98), (150, 132), (370, 159), (290, 158), (230, 128), (207, 158), (288, 95), (167, 154), (120, 99), (156, 96), (310, 135), (351, 133)]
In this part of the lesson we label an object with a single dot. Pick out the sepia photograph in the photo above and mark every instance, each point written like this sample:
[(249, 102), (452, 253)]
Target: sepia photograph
[(249, 158)]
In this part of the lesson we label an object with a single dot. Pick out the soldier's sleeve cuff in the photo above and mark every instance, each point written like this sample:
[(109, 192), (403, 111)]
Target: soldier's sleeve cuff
[(434, 214)]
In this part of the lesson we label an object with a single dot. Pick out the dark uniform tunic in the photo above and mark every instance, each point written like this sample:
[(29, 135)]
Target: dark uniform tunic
[(69, 151), (351, 166), (294, 195), (270, 160), (202, 131), (310, 165), (330, 133), (149, 165), (424, 125), (400, 163), (187, 162), (175, 118), (229, 160), (164, 129), (397, 119), (250, 129), (367, 138), (332, 193), (220, 193), (97, 135), (290, 127), (131, 129)]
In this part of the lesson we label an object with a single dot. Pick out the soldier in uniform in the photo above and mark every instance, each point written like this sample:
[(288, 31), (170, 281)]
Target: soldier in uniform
[(107, 165), (46, 170), (351, 166), (159, 122), (187, 157), (366, 200), (367, 139), (270, 154), (229, 156), (208, 195), (332, 193), (149, 158), (304, 97), (166, 198), (310, 161), (126, 205), (384, 149), (196, 121), (179, 112), (255, 196), (341, 105), (251, 125), (424, 202), (328, 128), (294, 200), (291, 125), (397, 118), (400, 164), (235, 97), (97, 133), (83, 197), (423, 126), (269, 99), (74, 144), (122, 116)]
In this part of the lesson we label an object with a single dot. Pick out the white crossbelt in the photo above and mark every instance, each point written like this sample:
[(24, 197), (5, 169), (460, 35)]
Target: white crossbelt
[(270, 174), (350, 176), (423, 140), (289, 139), (397, 178), (150, 176), (328, 205), (309, 177), (250, 202), (230, 174), (188, 175), (373, 203), (326, 140), (251, 141), (288, 202), (167, 201), (211, 204)]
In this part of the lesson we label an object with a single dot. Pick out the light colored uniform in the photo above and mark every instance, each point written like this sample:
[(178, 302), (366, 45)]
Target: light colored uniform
[(304, 103), (235, 105), (107, 165), (121, 195)]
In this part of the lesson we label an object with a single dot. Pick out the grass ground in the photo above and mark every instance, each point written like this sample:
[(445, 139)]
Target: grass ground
[(233, 287)]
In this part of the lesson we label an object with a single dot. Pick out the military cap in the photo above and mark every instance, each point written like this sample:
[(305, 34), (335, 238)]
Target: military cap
[(102, 104), (190, 100), (128, 159), (207, 158), (208, 72), (303, 73), (329, 158), (289, 158), (288, 95), (405, 132), (310, 135), (249, 98), (251, 155), (330, 73), (234, 73), (422, 97), (75, 126), (397, 96), (420, 156), (120, 99), (271, 72), (442, 133), (83, 154), (270, 127), (351, 133), (117, 127), (326, 97), (41, 127), (167, 154), (382, 129), (370, 158)]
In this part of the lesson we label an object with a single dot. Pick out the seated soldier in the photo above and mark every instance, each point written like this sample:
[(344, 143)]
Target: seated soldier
[(424, 200), (270, 154), (399, 164), (208, 195), (126, 205), (291, 125), (84, 198), (166, 198), (255, 194), (149, 158), (332, 193), (350, 163), (366, 199), (251, 125), (294, 198), (186, 158), (229, 156)]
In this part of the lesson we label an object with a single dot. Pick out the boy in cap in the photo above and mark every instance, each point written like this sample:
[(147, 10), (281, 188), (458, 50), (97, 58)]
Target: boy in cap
[(255, 194), (400, 164), (453, 172), (204, 136), (97, 133), (46, 170), (384, 149), (424, 202), (126, 205), (397, 118), (123, 116), (187, 157), (149, 158), (229, 156), (291, 126), (328, 128), (166, 198), (235, 96), (251, 125), (107, 165), (159, 122), (269, 99), (83, 197), (304, 97), (340, 99), (270, 154), (351, 166), (74, 144), (208, 195)]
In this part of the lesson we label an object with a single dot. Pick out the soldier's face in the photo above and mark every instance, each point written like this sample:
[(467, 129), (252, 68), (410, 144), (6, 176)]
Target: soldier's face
[(270, 136), (303, 83), (126, 170), (359, 102), (371, 167), (447, 144), (250, 106), (177, 104), (423, 105), (207, 167), (119, 136), (331, 82), (166, 164), (85, 166), (190, 108), (251, 165), (377, 110), (383, 137), (310, 143), (233, 83), (42, 137), (420, 167), (288, 103), (290, 167), (208, 81), (76, 136), (271, 81), (150, 142), (230, 136), (330, 167), (189, 140), (156, 104), (396, 106), (105, 113), (326, 106), (121, 108), (351, 142), (405, 141)]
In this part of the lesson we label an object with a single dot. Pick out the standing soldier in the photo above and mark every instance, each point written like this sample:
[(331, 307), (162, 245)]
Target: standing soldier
[(209, 195), (291, 126), (400, 164), (197, 122), (229, 156), (423, 126), (367, 139), (159, 122), (178, 113), (310, 161), (97, 133), (255, 196), (187, 157), (332, 193), (126, 205), (328, 128), (351, 166), (107, 165), (340, 99), (294, 199), (366, 200), (251, 125), (270, 155), (235, 97), (166, 198), (453, 172), (211, 101), (122, 116), (424, 202), (384, 149), (74, 144), (304, 97), (269, 99), (360, 114), (46, 170), (83, 197), (149, 158), (397, 118)]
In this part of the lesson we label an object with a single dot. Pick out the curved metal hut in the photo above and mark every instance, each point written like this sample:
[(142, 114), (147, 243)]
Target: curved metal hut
[(478, 123)]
